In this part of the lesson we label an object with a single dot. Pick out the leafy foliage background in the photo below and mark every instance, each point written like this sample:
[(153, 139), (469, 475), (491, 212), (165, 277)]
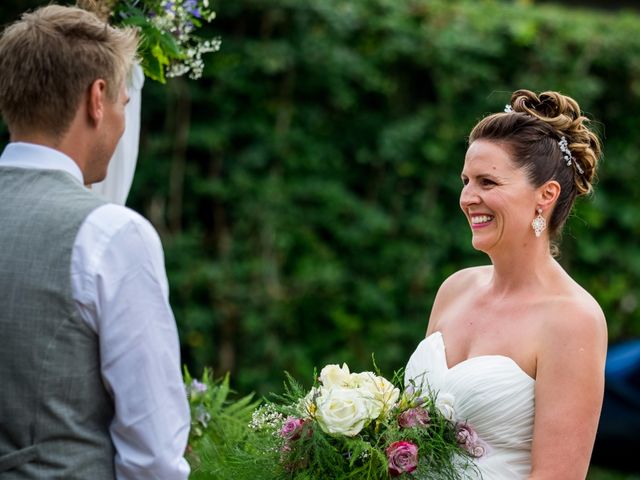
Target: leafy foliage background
[(306, 190)]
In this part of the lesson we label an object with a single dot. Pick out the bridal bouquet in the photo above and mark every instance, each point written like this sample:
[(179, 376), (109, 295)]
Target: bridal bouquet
[(169, 44), (359, 425), (218, 422)]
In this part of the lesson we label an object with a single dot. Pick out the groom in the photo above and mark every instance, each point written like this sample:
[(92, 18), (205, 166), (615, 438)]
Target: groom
[(89, 360)]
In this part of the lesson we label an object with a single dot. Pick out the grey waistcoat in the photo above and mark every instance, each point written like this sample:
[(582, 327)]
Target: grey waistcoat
[(54, 409)]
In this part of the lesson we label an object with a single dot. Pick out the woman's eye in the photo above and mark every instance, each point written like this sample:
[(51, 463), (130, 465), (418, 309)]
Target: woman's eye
[(465, 181), (487, 182)]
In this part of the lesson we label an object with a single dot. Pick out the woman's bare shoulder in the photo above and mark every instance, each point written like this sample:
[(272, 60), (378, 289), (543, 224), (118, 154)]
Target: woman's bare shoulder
[(577, 306), (465, 278), (573, 319), (453, 289)]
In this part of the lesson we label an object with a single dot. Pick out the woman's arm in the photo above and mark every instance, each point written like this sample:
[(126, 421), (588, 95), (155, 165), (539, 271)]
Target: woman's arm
[(569, 388)]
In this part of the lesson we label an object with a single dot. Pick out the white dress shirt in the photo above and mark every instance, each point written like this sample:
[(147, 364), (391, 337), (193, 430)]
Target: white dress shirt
[(120, 286)]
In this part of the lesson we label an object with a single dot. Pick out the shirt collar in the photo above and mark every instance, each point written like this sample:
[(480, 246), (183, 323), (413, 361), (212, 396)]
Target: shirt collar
[(30, 155)]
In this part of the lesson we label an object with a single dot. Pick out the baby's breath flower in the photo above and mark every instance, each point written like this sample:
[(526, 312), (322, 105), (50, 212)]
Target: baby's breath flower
[(266, 417)]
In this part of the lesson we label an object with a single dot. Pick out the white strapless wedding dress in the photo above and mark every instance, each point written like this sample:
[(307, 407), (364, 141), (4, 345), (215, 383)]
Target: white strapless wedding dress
[(490, 392)]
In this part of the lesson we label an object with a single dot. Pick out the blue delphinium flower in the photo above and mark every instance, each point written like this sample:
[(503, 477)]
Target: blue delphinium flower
[(191, 6), (169, 6)]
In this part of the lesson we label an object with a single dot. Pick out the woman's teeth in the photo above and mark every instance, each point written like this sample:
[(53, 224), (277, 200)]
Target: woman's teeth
[(477, 219)]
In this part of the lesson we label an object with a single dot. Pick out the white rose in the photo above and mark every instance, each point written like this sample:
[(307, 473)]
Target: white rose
[(364, 380), (384, 394), (335, 376), (444, 403), (342, 411)]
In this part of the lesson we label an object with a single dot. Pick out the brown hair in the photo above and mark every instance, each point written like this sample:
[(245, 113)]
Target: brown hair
[(531, 133), (48, 60)]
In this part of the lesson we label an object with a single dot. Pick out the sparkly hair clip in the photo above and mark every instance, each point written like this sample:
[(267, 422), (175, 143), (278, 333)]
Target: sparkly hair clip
[(566, 154), (562, 143)]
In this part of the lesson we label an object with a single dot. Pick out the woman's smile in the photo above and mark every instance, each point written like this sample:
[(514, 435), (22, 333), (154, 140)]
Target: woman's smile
[(480, 221)]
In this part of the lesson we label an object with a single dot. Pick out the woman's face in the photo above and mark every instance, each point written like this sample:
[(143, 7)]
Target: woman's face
[(497, 198)]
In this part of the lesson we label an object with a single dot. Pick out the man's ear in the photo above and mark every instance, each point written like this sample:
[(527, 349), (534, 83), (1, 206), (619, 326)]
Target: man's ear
[(96, 100), (547, 194)]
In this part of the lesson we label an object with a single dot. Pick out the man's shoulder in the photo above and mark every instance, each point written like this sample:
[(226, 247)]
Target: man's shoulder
[(110, 220), (110, 215)]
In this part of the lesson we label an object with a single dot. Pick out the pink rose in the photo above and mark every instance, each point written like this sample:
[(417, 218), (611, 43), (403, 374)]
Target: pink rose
[(413, 417), (478, 450), (402, 457), (465, 434), (291, 429), (468, 439)]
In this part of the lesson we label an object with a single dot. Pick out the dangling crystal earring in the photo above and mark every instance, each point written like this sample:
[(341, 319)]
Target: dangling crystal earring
[(539, 224)]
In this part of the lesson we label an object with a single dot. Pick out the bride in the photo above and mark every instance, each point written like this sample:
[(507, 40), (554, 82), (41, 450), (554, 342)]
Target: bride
[(516, 349)]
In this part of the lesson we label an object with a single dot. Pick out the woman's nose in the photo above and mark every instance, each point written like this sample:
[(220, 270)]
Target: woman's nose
[(468, 196)]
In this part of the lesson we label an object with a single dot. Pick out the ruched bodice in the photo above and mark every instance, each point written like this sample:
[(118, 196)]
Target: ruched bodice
[(490, 392)]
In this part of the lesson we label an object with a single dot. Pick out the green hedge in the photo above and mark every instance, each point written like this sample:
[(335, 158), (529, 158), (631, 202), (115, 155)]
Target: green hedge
[(307, 188)]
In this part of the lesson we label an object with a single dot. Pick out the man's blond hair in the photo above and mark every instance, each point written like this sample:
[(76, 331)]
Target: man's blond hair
[(48, 60)]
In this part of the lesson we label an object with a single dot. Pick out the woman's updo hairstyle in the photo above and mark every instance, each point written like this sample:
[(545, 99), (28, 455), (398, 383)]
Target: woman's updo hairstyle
[(531, 129)]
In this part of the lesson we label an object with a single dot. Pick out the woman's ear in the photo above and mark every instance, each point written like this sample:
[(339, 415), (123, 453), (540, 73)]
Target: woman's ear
[(547, 194)]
